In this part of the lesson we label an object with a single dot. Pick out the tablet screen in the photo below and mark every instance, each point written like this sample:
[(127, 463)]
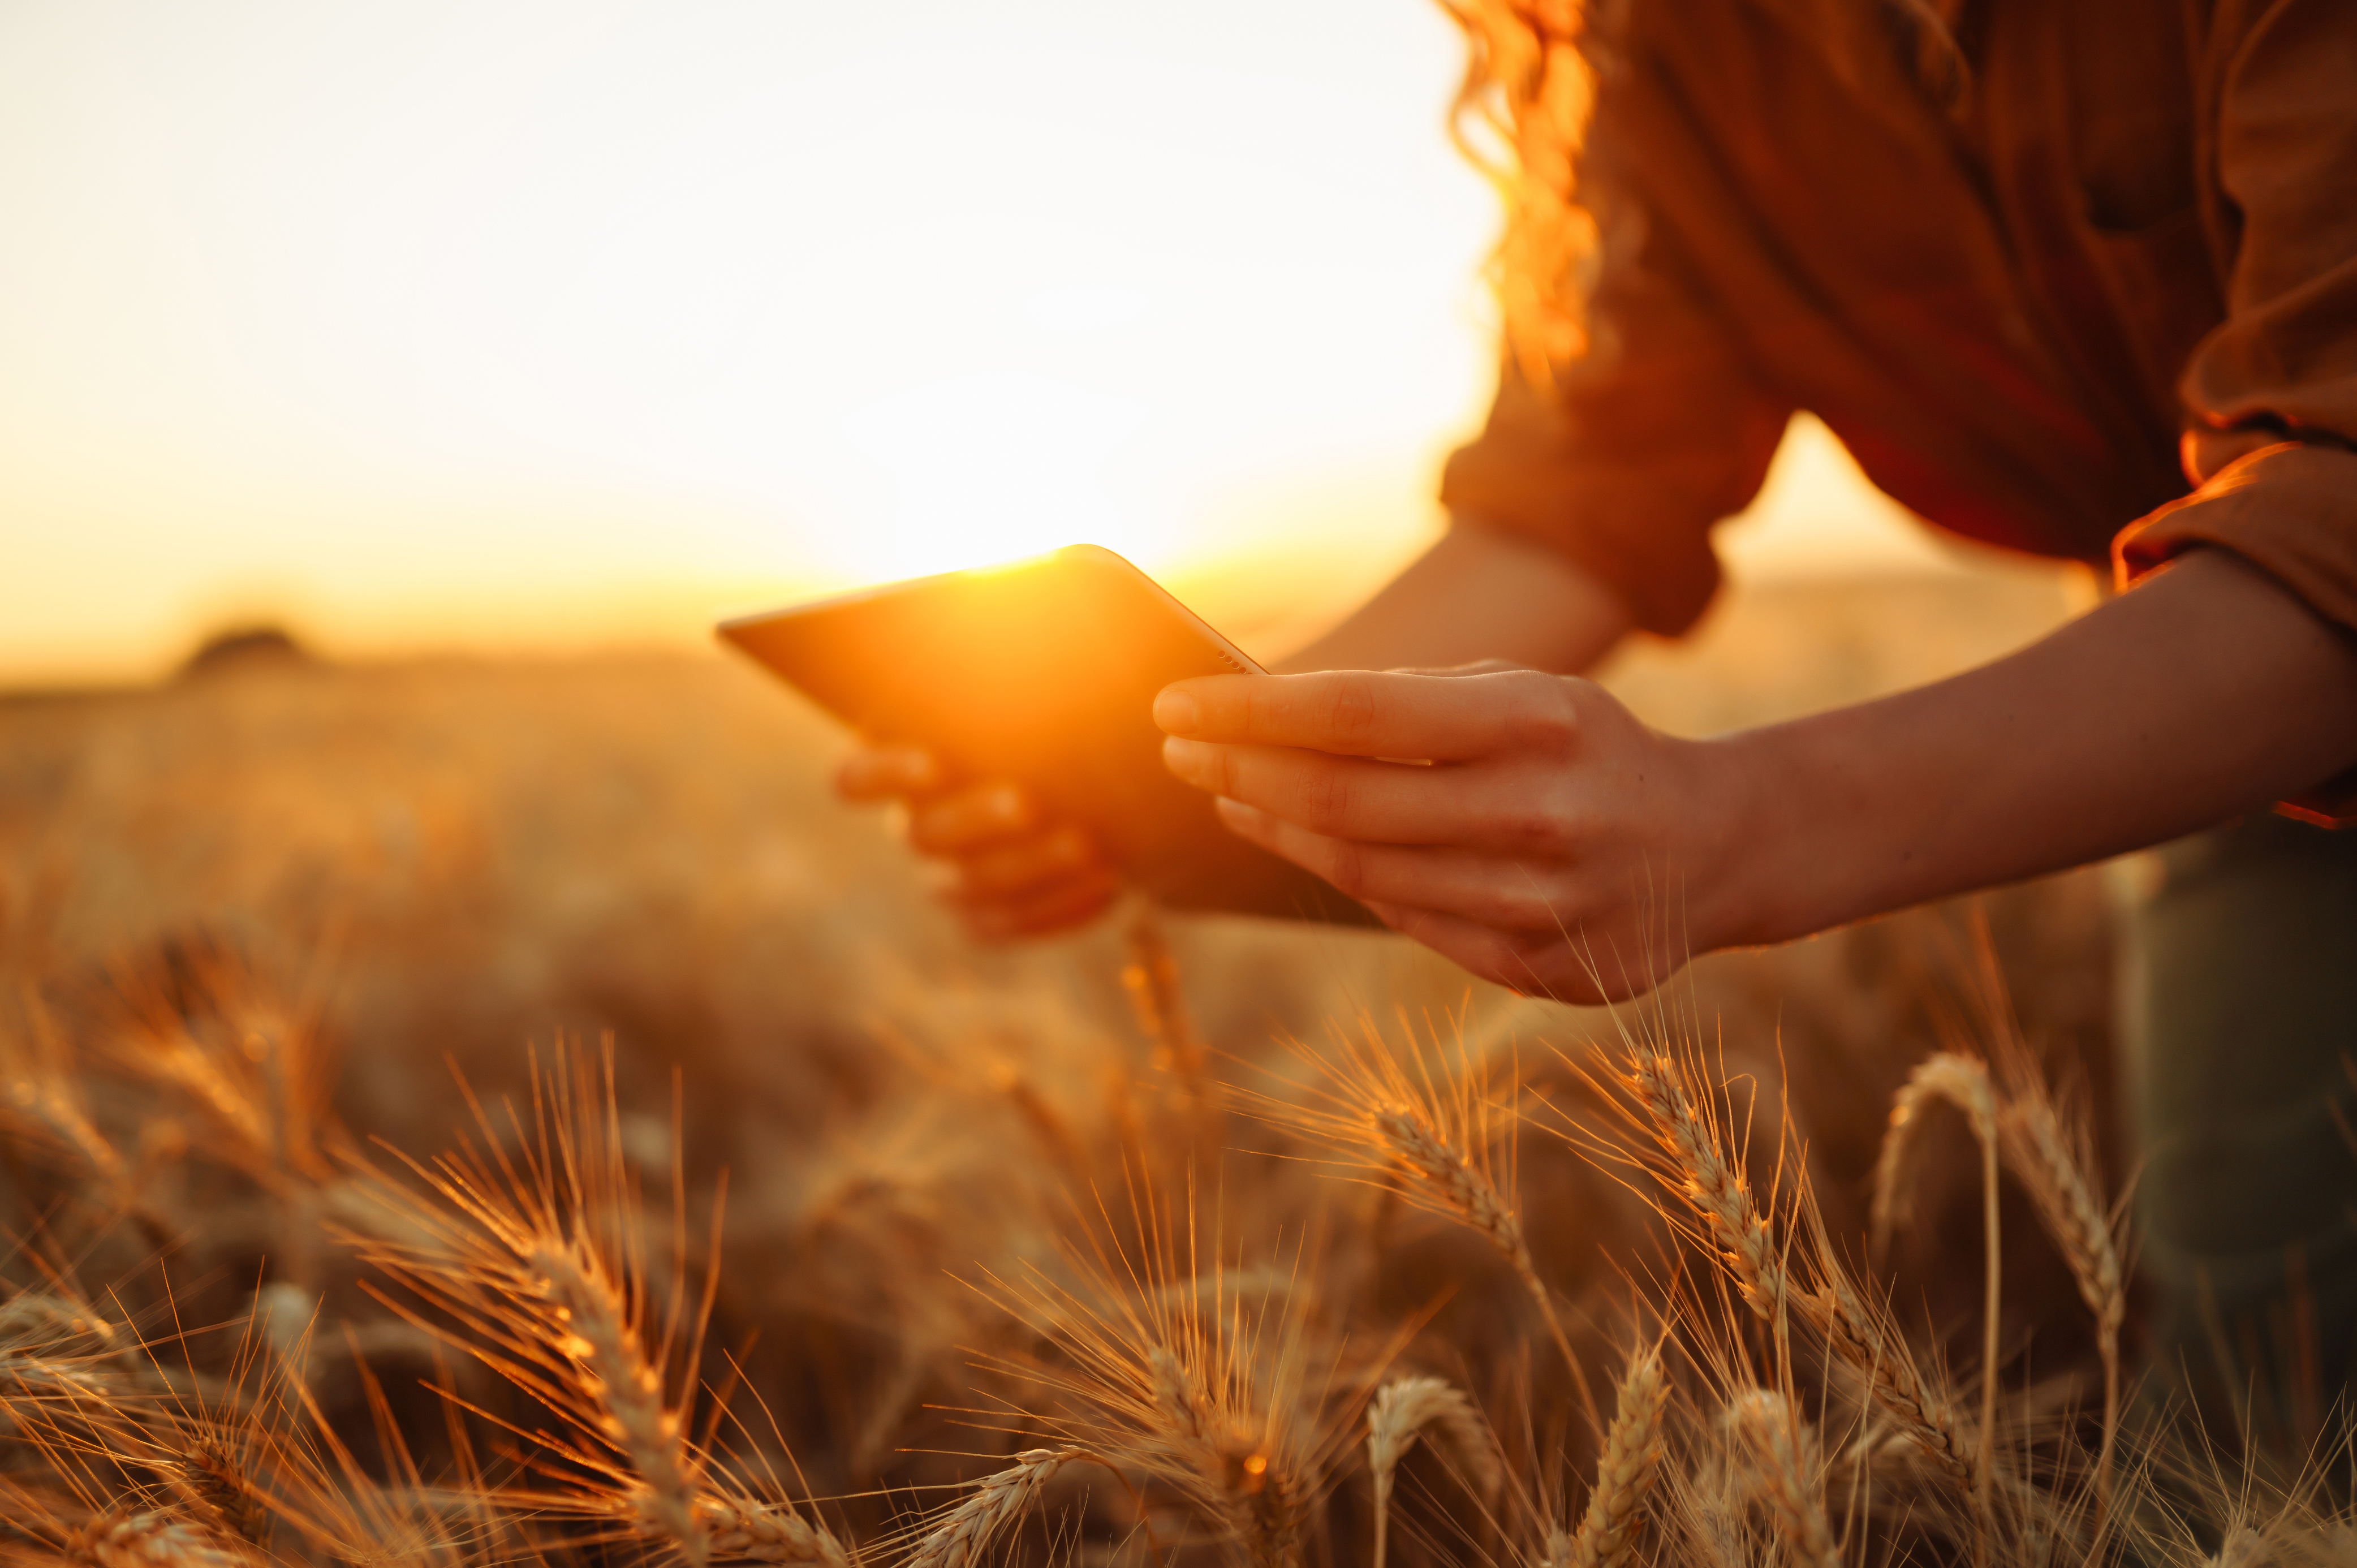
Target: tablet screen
[(1044, 672)]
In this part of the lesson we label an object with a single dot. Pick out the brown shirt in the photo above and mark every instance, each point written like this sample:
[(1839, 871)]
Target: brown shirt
[(2105, 310)]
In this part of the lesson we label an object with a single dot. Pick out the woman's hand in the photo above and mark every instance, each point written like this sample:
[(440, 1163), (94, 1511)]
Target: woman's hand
[(1549, 840), (1011, 872)]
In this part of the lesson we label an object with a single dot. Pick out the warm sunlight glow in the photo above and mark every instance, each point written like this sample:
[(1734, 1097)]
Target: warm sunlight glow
[(520, 323)]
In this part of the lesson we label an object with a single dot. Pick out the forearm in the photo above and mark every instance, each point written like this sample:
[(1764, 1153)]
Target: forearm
[(1478, 594), (2206, 693)]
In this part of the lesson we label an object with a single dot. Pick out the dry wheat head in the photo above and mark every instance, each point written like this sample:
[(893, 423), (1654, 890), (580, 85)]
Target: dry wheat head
[(1943, 1075), (1712, 1184), (1782, 1477), (962, 1537), (150, 1539), (1626, 1468), (744, 1531)]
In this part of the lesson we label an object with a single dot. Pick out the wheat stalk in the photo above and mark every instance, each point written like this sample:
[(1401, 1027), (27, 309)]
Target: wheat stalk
[(613, 1367), (958, 1542), (1150, 976), (1453, 1182), (536, 1253), (1963, 1083), (2057, 1182), (1713, 1188), (1399, 1415), (41, 1379), (149, 1539), (1770, 1428), (741, 1530), (1241, 1477), (1626, 1468), (1179, 1398), (1862, 1337)]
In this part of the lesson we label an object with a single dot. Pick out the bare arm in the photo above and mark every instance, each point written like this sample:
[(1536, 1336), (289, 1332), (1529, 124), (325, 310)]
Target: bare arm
[(1544, 848), (1478, 594), (2208, 692)]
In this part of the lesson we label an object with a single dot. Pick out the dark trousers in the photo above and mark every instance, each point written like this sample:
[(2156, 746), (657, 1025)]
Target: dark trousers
[(2239, 1029)]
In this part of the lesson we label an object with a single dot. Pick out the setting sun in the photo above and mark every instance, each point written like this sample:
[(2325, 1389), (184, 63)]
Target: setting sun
[(529, 324)]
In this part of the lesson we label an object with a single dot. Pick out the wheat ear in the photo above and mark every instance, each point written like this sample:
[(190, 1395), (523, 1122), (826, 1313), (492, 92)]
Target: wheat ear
[(1399, 1415), (1963, 1083), (1713, 1188), (1150, 975), (153, 1540), (1453, 1182), (42, 1379), (1271, 1504), (605, 1348), (1554, 1552), (1244, 1479), (1861, 1337), (1626, 1467), (2242, 1548), (1179, 1398), (959, 1540), (739, 1531), (1770, 1428), (215, 1479), (2057, 1183)]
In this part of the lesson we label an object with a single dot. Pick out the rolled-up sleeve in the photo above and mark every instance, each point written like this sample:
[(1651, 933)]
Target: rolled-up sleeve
[(2283, 363), (1624, 464)]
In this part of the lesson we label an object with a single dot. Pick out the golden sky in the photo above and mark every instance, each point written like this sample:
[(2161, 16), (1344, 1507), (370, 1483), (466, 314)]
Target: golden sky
[(497, 323)]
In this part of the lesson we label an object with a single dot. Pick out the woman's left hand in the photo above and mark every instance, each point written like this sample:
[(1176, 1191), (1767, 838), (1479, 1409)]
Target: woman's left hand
[(1537, 832)]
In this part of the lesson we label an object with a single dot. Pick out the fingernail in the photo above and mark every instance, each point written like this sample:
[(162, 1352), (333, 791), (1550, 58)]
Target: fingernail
[(1177, 711), (1183, 757)]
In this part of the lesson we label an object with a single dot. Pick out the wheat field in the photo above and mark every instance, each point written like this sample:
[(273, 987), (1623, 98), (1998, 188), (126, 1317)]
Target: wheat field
[(465, 1113)]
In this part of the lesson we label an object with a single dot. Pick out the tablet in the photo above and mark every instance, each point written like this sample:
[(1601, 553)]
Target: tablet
[(1044, 672)]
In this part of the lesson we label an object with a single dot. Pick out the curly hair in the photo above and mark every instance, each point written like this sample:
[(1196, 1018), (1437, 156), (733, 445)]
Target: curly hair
[(1522, 111), (1520, 115)]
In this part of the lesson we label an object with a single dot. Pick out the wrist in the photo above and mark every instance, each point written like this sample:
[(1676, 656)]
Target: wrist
[(1764, 878)]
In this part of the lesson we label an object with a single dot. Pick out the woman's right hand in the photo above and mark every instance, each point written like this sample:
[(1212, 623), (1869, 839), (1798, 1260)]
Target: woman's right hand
[(1012, 871)]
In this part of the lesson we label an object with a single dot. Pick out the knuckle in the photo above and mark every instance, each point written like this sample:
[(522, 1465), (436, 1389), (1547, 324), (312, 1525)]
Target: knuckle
[(1346, 867), (1545, 716), (1540, 827), (1226, 774), (1350, 708), (1325, 799)]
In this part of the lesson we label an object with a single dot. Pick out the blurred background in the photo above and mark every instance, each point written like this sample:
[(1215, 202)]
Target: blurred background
[(474, 355), (508, 325)]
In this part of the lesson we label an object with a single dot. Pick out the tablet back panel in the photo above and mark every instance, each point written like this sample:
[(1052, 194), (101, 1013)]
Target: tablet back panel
[(1045, 672)]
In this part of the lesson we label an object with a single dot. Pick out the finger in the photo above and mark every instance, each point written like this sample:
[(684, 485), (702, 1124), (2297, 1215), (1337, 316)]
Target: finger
[(972, 818), (1503, 894), (888, 773), (1562, 969), (1045, 914), (1343, 797), (1361, 713), (1456, 672), (1026, 865), (1479, 949)]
